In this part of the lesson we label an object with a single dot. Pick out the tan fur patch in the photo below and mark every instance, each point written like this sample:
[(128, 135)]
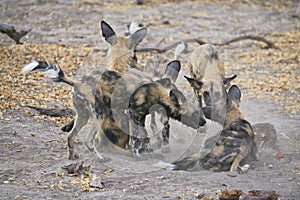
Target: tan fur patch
[(233, 115), (119, 56), (218, 150)]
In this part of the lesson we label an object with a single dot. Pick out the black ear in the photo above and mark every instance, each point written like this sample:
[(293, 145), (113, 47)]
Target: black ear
[(235, 93), (137, 37), (195, 83), (228, 103), (99, 106), (177, 97), (227, 80), (174, 65), (206, 98), (107, 32), (172, 70)]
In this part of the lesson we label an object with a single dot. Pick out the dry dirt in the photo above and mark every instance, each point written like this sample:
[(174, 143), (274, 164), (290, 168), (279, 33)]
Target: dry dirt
[(33, 148)]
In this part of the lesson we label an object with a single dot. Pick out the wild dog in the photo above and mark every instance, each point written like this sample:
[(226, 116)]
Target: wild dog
[(110, 137), (115, 89), (121, 56), (159, 93), (206, 66), (234, 144), (155, 69)]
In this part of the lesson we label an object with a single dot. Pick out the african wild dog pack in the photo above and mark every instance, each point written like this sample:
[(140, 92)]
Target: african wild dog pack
[(117, 98)]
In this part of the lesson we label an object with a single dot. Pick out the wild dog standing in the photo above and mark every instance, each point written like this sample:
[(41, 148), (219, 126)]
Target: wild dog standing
[(159, 93), (235, 143), (115, 89), (121, 56), (110, 136), (206, 66)]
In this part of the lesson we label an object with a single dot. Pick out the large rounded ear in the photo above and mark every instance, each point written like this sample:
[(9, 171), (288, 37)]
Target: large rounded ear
[(175, 65), (195, 83), (108, 33), (235, 94), (137, 37), (172, 70), (177, 97)]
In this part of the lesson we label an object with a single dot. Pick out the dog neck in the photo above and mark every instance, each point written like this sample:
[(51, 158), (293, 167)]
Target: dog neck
[(233, 115)]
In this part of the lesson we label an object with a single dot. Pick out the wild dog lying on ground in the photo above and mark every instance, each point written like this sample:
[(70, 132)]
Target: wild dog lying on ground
[(159, 93), (234, 144), (121, 56), (206, 66)]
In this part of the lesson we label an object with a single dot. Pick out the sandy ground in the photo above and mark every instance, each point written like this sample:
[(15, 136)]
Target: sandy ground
[(33, 149)]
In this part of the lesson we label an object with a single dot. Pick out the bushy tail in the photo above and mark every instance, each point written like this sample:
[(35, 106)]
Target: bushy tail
[(183, 164), (186, 163), (50, 70)]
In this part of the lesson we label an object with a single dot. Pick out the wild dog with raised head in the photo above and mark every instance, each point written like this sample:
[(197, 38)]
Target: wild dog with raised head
[(206, 66), (159, 93), (121, 56), (234, 144)]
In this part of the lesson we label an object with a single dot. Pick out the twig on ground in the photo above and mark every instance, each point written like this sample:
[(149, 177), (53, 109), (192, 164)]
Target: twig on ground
[(55, 112), (248, 37), (200, 41), (13, 33)]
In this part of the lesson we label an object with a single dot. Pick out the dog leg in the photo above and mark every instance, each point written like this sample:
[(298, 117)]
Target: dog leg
[(153, 124), (79, 123), (234, 166), (165, 134)]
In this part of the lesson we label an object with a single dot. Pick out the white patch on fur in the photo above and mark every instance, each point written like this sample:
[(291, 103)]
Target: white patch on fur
[(133, 27), (31, 66), (52, 73), (164, 165), (244, 168), (227, 156), (179, 50)]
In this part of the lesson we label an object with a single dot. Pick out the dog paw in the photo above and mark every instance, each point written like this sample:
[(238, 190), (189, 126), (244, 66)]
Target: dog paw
[(233, 174)]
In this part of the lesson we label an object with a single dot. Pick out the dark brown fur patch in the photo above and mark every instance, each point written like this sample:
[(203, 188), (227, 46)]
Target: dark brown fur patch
[(234, 144)]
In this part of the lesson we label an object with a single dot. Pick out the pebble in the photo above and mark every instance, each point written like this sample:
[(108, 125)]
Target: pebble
[(270, 166)]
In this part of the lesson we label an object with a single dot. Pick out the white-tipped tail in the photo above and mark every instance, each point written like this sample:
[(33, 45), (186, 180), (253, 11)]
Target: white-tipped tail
[(133, 27), (164, 165), (179, 50), (50, 70), (30, 67)]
